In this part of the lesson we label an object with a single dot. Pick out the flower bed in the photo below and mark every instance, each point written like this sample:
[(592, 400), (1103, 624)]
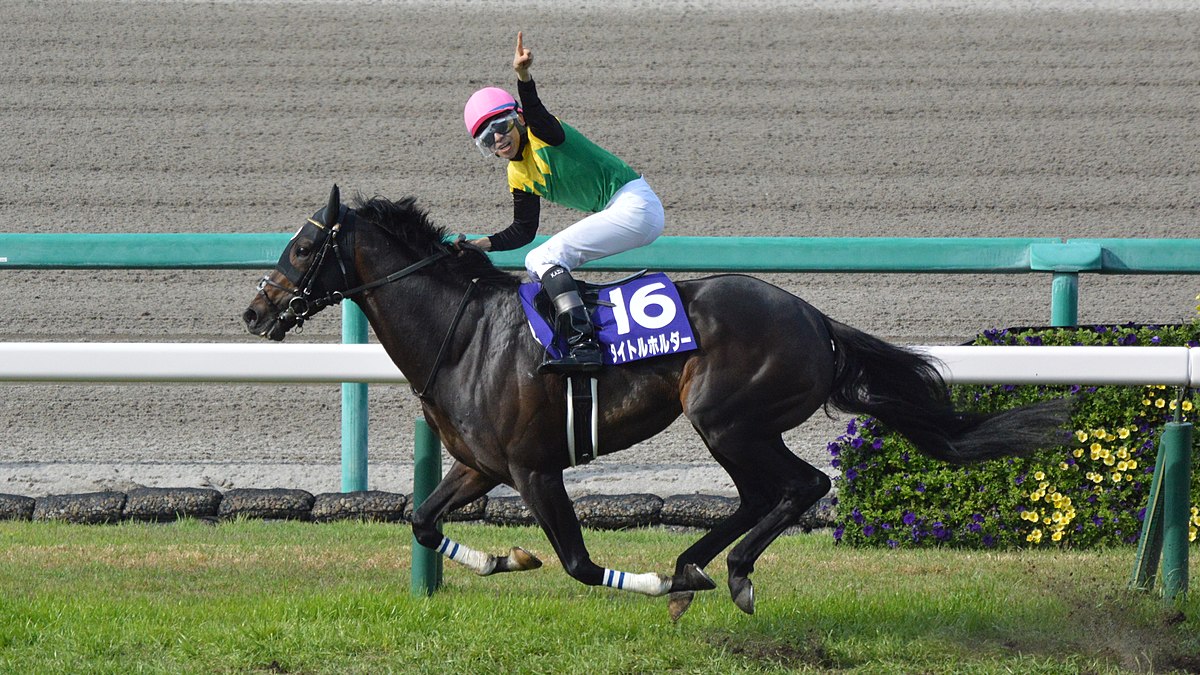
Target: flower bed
[(1090, 491)]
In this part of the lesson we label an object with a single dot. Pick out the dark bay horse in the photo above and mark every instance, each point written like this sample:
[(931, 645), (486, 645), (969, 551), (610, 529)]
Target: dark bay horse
[(767, 360)]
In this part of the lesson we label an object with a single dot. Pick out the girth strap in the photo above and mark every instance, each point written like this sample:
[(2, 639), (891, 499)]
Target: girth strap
[(582, 419)]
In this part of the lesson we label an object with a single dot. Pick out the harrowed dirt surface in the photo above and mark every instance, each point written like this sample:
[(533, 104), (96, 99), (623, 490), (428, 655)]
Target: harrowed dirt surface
[(850, 119)]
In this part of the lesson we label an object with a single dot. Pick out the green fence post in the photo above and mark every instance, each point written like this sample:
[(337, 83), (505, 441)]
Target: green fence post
[(1149, 548), (1064, 300), (354, 407), (427, 472), (1175, 453)]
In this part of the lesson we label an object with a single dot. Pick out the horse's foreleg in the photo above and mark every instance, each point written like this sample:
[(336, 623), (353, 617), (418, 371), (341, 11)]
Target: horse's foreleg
[(461, 486), (547, 498)]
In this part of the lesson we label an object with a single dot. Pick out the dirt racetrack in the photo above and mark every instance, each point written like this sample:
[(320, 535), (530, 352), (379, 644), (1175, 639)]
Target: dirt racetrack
[(855, 118)]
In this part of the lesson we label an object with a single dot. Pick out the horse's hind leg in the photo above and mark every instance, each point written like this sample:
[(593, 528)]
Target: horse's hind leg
[(461, 486), (799, 486), (755, 501)]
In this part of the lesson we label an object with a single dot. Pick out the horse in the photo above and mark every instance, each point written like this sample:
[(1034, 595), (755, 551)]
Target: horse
[(766, 361)]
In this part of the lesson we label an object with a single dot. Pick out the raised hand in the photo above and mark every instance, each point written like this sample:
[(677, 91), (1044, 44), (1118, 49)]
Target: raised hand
[(522, 59)]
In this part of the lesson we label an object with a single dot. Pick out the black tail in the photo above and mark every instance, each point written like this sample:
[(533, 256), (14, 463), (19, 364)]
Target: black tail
[(903, 390)]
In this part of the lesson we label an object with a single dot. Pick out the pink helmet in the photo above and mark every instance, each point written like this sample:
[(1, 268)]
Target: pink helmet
[(485, 104)]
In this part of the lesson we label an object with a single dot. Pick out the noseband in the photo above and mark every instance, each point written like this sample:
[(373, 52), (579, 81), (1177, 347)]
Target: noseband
[(302, 304)]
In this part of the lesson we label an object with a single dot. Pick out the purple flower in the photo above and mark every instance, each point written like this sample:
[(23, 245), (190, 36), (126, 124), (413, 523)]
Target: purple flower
[(1128, 339), (869, 531), (977, 517), (851, 474), (852, 427), (1034, 340), (1155, 340), (856, 443), (892, 543), (975, 527), (877, 444), (857, 516), (909, 518), (838, 532), (921, 488), (1097, 521)]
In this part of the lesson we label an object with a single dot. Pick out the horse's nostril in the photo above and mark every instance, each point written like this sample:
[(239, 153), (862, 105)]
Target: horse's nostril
[(250, 317)]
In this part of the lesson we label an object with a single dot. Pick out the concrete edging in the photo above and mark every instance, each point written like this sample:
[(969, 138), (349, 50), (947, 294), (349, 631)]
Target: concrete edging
[(163, 505)]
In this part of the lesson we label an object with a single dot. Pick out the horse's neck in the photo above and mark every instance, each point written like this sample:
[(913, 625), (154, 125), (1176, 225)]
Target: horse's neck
[(414, 315)]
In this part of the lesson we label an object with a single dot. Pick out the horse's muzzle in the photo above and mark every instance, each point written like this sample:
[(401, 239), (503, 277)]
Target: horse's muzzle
[(268, 326)]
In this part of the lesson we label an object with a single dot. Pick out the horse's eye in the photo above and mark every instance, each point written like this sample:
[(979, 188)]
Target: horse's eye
[(303, 251)]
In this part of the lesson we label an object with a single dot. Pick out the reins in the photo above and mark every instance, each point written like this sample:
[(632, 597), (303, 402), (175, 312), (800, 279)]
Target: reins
[(303, 306)]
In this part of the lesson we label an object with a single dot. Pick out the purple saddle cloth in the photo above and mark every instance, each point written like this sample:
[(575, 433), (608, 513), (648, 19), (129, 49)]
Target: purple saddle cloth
[(635, 320)]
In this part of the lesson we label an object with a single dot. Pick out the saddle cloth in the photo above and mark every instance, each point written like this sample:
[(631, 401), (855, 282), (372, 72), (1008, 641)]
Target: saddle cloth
[(636, 318)]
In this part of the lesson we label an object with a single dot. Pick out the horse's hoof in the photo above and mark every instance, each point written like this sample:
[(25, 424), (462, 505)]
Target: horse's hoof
[(679, 603), (520, 560), (742, 592), (693, 578)]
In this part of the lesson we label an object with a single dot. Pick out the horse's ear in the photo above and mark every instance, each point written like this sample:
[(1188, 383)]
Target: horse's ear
[(333, 207)]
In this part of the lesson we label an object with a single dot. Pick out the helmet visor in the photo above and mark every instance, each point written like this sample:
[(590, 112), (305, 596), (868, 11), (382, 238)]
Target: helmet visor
[(485, 140)]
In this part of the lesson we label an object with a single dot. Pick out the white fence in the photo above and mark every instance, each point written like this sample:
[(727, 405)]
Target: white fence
[(270, 362)]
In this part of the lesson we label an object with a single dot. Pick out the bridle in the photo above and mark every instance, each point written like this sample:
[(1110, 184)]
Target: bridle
[(302, 304)]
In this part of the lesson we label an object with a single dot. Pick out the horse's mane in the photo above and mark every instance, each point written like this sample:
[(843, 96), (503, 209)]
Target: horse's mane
[(411, 226)]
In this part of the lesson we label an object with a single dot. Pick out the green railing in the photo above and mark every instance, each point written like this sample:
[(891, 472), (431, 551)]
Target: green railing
[(1064, 260)]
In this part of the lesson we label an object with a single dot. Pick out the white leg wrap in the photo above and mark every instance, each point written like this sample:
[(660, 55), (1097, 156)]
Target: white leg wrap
[(646, 584), (482, 563)]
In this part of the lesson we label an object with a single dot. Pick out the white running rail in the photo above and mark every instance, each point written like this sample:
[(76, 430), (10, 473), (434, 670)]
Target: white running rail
[(270, 362)]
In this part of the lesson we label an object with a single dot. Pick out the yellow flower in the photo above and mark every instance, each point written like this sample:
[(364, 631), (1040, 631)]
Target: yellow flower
[(1128, 477), (1078, 452), (1116, 477), (1123, 432), (1064, 466), (1035, 536), (1132, 464), (1081, 435), (1057, 536), (1109, 461), (1145, 401), (1039, 475), (1187, 406), (1123, 452), (1159, 403), (1122, 465)]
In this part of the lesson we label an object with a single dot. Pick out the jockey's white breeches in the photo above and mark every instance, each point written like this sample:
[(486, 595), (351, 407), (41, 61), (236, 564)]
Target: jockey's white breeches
[(633, 217)]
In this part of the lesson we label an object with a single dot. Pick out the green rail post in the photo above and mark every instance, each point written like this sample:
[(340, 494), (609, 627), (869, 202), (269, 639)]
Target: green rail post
[(1064, 300), (427, 472), (1175, 453), (354, 407), (1149, 548)]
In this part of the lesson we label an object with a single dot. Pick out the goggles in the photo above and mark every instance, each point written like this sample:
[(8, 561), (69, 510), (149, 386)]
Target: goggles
[(485, 140)]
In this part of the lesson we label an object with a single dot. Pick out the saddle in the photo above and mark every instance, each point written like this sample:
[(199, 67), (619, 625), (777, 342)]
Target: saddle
[(589, 291), (582, 401)]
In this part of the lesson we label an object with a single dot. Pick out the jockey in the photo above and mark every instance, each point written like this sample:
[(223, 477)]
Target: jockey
[(548, 158)]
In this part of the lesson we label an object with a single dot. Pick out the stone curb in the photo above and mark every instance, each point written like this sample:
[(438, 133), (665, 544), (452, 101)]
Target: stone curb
[(162, 505)]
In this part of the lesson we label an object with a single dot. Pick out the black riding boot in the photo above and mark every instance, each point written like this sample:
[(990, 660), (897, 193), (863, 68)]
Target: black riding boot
[(572, 325)]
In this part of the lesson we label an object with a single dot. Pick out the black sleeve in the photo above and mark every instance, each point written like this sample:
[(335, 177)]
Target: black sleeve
[(527, 208), (539, 120)]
